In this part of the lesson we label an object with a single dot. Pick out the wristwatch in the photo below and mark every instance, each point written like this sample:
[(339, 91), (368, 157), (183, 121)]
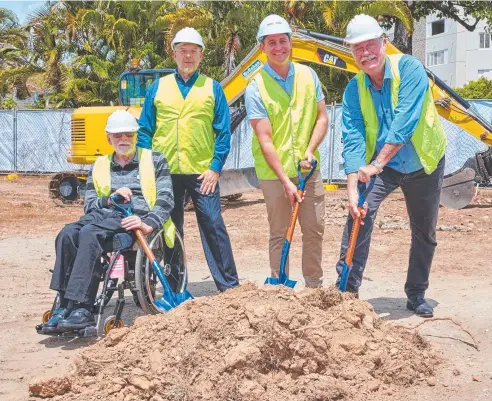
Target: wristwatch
[(377, 165)]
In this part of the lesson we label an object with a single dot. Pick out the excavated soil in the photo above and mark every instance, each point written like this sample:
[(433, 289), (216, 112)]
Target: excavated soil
[(251, 343)]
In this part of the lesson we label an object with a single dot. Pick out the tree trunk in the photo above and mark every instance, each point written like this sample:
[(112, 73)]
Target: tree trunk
[(402, 40)]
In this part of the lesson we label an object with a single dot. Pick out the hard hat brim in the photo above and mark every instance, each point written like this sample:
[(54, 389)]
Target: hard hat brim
[(174, 45), (121, 130), (363, 38)]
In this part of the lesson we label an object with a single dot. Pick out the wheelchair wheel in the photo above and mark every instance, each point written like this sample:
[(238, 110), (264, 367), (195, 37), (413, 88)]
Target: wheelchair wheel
[(173, 262), (46, 316), (56, 304), (111, 323)]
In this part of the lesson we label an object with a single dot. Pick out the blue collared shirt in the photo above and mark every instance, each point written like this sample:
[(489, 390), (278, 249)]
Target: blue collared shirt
[(221, 122), (395, 126), (255, 106)]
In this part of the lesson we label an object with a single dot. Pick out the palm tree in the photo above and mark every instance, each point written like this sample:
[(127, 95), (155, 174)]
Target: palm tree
[(337, 14), (13, 40)]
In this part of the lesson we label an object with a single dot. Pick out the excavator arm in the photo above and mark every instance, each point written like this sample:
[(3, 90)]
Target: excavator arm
[(329, 51)]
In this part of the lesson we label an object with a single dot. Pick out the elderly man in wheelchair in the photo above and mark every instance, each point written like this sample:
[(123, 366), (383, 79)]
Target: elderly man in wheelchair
[(82, 248)]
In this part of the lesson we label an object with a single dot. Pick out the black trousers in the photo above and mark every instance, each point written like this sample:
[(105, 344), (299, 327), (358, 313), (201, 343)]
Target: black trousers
[(215, 239), (79, 247)]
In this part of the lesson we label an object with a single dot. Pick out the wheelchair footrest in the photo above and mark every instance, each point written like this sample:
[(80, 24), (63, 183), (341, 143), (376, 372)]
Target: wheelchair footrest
[(88, 332)]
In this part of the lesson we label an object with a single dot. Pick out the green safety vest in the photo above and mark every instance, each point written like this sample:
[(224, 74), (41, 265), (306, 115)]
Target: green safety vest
[(428, 138), (101, 176), (292, 119), (184, 132)]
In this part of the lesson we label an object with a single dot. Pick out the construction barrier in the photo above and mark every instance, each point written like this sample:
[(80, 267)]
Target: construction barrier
[(38, 141)]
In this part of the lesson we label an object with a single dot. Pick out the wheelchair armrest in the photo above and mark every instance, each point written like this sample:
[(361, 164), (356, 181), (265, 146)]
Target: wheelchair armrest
[(122, 241)]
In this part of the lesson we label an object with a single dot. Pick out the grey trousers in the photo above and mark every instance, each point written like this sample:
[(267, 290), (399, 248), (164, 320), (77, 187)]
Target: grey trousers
[(422, 194)]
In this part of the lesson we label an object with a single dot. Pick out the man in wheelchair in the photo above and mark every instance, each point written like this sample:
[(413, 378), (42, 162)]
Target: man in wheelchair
[(139, 174)]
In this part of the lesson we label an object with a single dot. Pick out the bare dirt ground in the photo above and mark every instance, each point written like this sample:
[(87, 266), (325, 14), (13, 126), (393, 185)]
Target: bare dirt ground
[(460, 283)]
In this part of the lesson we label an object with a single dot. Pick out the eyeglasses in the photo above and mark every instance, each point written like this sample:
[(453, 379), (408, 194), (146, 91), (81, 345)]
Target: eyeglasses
[(192, 53), (118, 135), (371, 47)]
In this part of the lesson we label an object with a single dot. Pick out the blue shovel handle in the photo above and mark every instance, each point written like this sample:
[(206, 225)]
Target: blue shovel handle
[(304, 180), (125, 208), (364, 190)]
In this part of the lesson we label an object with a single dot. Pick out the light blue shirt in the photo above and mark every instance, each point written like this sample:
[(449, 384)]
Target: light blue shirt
[(255, 106), (395, 126)]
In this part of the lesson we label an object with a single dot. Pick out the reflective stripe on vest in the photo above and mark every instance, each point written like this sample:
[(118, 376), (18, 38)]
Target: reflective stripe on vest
[(101, 176), (184, 132), (428, 139), (292, 119)]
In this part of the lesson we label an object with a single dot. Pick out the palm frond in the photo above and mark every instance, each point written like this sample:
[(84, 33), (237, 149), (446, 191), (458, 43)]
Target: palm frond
[(396, 8)]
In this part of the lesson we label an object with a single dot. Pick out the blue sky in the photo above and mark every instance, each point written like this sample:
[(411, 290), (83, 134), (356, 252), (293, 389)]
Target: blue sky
[(21, 8)]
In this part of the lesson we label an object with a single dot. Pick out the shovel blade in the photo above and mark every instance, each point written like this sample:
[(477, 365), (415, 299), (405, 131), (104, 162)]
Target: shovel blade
[(183, 296), (163, 305), (168, 301), (276, 281), (344, 278)]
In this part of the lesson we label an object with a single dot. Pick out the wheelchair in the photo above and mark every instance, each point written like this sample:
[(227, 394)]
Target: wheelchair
[(128, 268)]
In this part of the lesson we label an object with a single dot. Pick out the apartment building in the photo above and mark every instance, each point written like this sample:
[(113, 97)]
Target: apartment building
[(456, 55)]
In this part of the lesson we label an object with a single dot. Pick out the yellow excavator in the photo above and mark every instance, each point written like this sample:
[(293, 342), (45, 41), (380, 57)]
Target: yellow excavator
[(89, 142)]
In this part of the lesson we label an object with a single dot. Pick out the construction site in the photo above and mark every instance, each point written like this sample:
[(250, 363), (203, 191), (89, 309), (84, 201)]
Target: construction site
[(255, 342), (159, 238)]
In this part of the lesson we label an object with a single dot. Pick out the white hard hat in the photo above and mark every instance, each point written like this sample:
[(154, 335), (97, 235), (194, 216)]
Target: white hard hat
[(187, 35), (121, 121), (361, 28), (272, 25)]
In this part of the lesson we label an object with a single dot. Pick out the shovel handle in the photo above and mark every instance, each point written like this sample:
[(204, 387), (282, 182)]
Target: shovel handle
[(293, 218), (354, 233), (145, 246)]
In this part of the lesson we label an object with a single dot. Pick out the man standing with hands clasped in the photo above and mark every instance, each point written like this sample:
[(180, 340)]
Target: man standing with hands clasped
[(186, 117)]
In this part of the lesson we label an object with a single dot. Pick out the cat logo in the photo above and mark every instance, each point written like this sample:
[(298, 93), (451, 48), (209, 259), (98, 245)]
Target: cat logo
[(330, 59)]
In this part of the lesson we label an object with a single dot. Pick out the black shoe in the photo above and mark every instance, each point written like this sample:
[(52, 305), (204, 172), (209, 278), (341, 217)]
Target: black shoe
[(51, 326), (79, 319), (420, 306)]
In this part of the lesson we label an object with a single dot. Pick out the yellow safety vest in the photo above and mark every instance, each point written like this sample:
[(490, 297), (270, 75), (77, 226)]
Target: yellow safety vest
[(101, 176), (184, 132), (292, 119), (428, 138)]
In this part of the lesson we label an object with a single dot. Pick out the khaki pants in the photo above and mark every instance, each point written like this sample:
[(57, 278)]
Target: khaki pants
[(311, 220)]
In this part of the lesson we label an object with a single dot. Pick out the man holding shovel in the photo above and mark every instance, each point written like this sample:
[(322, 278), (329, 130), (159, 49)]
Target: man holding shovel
[(286, 109), (139, 174), (391, 130)]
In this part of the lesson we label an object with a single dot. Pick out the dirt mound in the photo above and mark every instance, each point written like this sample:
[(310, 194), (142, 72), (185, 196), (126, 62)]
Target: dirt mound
[(253, 343)]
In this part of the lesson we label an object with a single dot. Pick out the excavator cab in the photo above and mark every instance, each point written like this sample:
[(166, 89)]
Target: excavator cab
[(133, 85)]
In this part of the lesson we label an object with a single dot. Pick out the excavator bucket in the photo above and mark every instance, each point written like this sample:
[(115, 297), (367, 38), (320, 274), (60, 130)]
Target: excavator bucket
[(238, 181), (458, 188)]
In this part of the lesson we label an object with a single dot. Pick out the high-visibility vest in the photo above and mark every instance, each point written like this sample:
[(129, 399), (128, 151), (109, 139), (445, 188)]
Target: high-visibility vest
[(101, 176), (292, 119), (428, 139), (184, 132)]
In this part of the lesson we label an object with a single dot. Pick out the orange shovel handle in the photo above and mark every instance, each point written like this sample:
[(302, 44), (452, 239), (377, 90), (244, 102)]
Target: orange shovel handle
[(353, 238)]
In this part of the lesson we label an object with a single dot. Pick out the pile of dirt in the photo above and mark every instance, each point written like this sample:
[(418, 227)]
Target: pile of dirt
[(251, 343)]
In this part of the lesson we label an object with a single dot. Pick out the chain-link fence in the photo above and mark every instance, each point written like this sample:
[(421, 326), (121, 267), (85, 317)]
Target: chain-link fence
[(38, 141), (7, 144), (35, 141)]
